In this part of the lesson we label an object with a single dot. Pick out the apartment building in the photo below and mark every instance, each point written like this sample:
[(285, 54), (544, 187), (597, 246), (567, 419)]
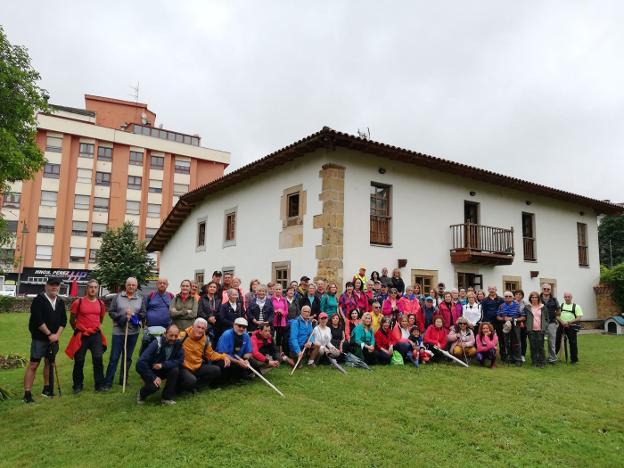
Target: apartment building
[(105, 164)]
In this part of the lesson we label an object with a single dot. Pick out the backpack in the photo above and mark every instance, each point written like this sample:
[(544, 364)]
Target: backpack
[(206, 344), (102, 308)]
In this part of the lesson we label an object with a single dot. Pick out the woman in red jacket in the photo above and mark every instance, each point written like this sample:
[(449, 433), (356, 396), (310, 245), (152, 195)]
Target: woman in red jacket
[(435, 337), (384, 342), (392, 308)]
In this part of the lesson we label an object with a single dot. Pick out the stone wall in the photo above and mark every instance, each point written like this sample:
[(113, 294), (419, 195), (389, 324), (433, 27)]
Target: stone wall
[(605, 305), (330, 253)]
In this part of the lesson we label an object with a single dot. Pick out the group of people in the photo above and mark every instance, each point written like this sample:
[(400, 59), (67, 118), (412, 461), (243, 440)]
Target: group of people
[(378, 320)]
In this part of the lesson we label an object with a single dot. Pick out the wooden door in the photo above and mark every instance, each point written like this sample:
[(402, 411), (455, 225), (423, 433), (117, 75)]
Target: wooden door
[(471, 221)]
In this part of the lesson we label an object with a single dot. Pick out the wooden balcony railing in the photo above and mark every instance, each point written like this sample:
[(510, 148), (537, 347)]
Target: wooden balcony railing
[(475, 243), (528, 244), (380, 230)]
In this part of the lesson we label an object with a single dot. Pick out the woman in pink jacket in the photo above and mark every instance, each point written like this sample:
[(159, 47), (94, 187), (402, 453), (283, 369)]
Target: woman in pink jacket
[(360, 296), (280, 316), (410, 302), (486, 344), (392, 307)]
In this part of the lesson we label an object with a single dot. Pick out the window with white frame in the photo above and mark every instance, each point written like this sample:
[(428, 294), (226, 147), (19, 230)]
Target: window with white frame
[(77, 254), (201, 234), (150, 232), (79, 228), (84, 176), (182, 166), (87, 150), (100, 204), (134, 182), (180, 189), (136, 158), (155, 186), (105, 153), (98, 229), (153, 210), (133, 207), (11, 200), (52, 171), (81, 202), (43, 252), (157, 162), (46, 225), (48, 198), (54, 144)]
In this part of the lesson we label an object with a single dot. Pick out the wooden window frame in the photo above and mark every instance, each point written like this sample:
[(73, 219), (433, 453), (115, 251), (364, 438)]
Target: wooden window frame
[(280, 266), (464, 283), (200, 240), (378, 218), (581, 235), (229, 227), (421, 273), (529, 243), (514, 280)]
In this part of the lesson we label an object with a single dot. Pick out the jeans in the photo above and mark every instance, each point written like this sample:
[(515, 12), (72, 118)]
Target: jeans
[(404, 349), (91, 343), (572, 343), (536, 341), (552, 342), (117, 350), (170, 375), (490, 354)]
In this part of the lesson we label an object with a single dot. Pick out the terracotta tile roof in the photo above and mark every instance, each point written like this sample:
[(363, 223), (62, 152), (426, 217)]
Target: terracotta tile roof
[(330, 139)]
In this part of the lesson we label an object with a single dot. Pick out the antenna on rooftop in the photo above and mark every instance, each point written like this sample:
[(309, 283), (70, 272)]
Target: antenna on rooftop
[(135, 92), (364, 134)]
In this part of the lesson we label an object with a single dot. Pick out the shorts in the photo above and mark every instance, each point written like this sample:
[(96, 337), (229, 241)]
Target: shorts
[(40, 349)]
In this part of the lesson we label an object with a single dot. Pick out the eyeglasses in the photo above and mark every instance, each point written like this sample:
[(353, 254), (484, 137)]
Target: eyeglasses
[(508, 296), (241, 326)]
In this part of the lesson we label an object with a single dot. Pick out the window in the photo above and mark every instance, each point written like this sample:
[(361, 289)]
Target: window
[(150, 232), (155, 186), (79, 228), (11, 226), (180, 189), (511, 285), (201, 234), (38, 279), (293, 205), (230, 227), (153, 210), (528, 237), (92, 255), (427, 279), (46, 225), (43, 252), (102, 179), (105, 154), (182, 166), (136, 158), (199, 277), (54, 144), (52, 171), (86, 150), (77, 254), (84, 176), (281, 273), (134, 182), (133, 207), (469, 280), (380, 214), (581, 229), (12, 200), (81, 202), (98, 229), (48, 198), (100, 204), (157, 162)]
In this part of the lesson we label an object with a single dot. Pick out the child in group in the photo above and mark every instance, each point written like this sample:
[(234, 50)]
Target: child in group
[(486, 344), (419, 354)]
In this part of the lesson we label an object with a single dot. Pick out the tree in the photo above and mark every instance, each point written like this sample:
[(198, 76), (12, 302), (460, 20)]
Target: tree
[(20, 101), (611, 240), (122, 255)]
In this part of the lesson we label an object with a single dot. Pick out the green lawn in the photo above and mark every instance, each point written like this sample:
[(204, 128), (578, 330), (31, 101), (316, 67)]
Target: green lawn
[(439, 415)]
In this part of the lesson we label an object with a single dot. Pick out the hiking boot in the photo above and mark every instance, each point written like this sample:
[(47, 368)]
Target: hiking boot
[(77, 390), (168, 402), (139, 400), (102, 389), (28, 397), (47, 392)]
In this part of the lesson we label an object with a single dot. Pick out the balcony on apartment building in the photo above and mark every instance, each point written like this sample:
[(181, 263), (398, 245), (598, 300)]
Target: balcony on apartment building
[(478, 244), (163, 134)]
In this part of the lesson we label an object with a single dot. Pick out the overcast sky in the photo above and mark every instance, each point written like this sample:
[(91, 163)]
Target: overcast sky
[(533, 89)]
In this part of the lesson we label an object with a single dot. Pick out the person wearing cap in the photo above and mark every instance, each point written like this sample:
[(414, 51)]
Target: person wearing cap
[(216, 277), (127, 307), (321, 342), (511, 315), (202, 365), (441, 289), (236, 344), (552, 310), (361, 275), (47, 321), (302, 288), (300, 331), (462, 340), (424, 317)]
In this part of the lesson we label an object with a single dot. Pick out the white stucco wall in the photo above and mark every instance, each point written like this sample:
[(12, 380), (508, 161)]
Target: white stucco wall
[(426, 202), (257, 231)]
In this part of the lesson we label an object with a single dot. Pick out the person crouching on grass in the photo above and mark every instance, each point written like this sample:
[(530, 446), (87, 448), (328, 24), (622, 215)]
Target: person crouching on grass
[(47, 321), (419, 354), (321, 342), (264, 354), (435, 337), (161, 360), (300, 331), (486, 344), (462, 340), (236, 344)]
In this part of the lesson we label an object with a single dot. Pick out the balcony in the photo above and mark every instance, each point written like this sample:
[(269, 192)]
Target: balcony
[(485, 245)]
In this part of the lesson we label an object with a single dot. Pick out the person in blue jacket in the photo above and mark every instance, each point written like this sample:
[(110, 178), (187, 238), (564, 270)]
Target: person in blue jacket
[(157, 317), (300, 331), (160, 361), (236, 343)]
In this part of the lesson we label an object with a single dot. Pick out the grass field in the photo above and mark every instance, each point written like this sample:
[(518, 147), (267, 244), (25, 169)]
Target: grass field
[(438, 416)]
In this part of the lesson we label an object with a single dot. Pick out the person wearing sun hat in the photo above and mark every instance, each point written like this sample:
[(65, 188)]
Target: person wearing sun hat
[(361, 275)]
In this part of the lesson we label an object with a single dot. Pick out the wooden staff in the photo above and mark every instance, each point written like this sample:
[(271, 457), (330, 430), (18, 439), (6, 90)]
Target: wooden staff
[(249, 366)]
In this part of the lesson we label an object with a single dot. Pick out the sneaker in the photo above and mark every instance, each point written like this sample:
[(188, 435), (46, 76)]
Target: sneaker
[(47, 392), (102, 389), (523, 359), (77, 390), (139, 400), (28, 397), (311, 365), (168, 402)]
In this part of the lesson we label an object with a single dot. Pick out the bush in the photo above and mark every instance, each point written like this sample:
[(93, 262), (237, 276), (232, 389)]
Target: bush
[(614, 277), (7, 303)]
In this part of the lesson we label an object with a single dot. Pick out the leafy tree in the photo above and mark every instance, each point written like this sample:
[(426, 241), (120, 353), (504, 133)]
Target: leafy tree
[(611, 240), (20, 101), (122, 255)]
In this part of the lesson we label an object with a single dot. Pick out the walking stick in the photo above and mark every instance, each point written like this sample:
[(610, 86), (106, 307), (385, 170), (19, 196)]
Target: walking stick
[(125, 363), (565, 344), (249, 366), (301, 357), (58, 381)]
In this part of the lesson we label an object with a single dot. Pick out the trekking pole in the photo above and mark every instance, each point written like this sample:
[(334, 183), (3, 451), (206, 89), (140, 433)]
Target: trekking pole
[(250, 367), (565, 345), (58, 381), (301, 357), (125, 363)]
